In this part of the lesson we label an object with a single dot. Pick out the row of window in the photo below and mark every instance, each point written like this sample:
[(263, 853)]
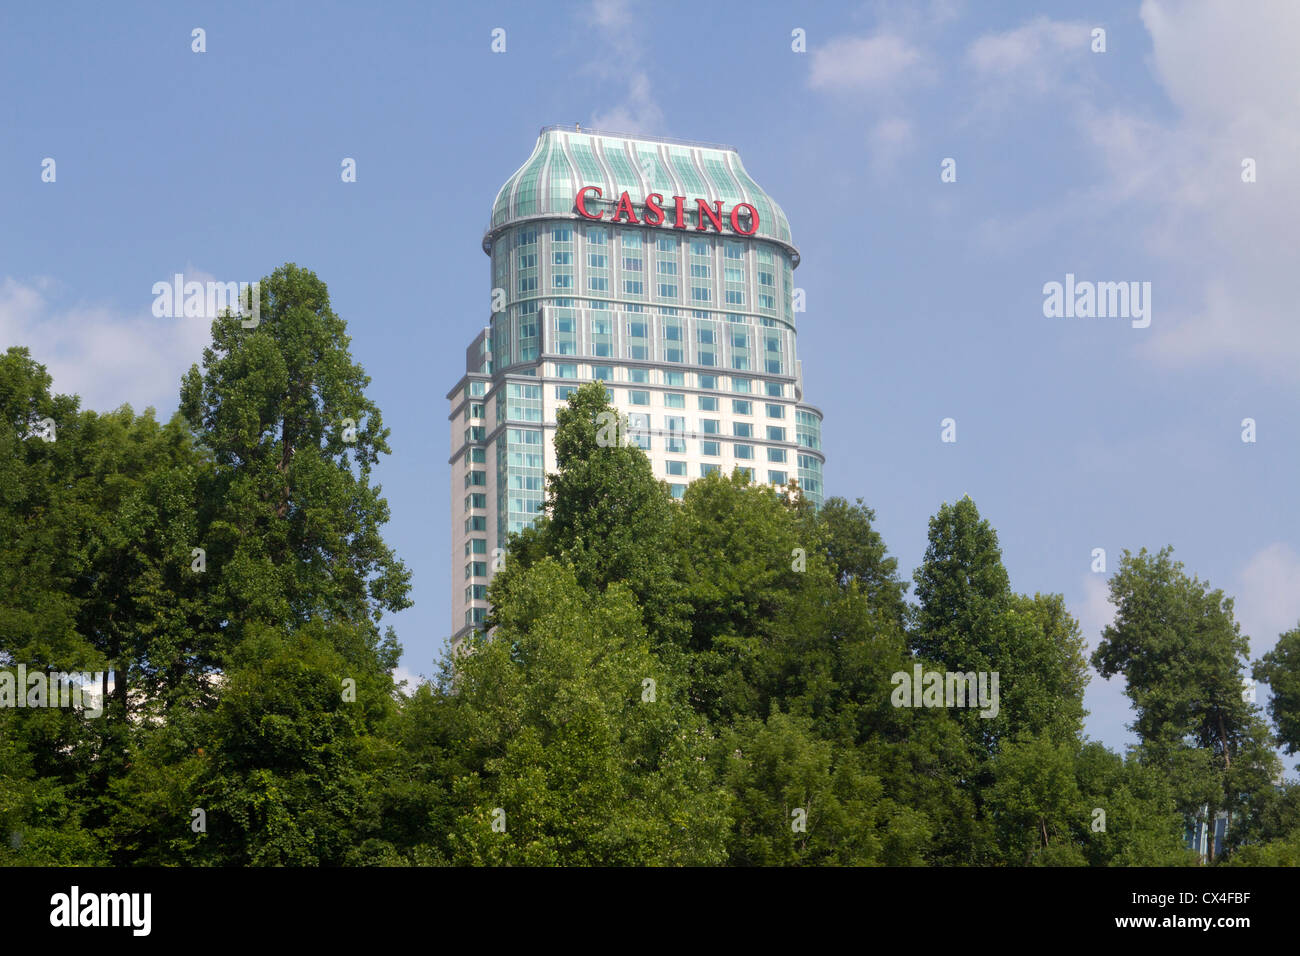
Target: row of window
[(705, 403), (773, 477), (710, 449), (739, 384), (699, 247), (639, 421), (713, 449)]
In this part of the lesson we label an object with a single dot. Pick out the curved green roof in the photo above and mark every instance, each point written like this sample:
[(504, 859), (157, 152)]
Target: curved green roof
[(566, 159)]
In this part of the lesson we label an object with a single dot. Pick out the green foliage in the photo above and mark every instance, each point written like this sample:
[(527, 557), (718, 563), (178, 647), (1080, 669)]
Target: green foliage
[(573, 751), (1183, 657), (700, 682), (1280, 669)]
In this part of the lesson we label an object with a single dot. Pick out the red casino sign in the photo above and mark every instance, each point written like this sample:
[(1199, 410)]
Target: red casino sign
[(653, 214)]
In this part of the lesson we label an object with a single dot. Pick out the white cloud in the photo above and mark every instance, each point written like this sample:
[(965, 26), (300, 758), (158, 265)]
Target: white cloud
[(1268, 596), (106, 355), (1109, 710), (638, 111), (1233, 74), (867, 64), (1096, 612), (1033, 53), (412, 679)]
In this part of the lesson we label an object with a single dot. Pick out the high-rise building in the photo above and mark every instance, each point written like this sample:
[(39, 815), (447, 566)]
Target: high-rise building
[(659, 267)]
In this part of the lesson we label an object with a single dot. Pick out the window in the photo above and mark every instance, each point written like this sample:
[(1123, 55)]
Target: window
[(741, 407), (566, 371), (776, 390), (708, 403), (708, 381), (638, 420), (636, 330), (561, 234), (478, 455), (641, 441), (475, 500), (476, 569), (711, 448), (476, 523), (743, 451), (776, 454), (775, 433), (562, 392), (675, 467), (677, 491), (674, 400), (638, 398), (710, 426), (604, 373), (747, 472), (677, 379), (776, 411), (740, 384), (707, 469), (475, 478), (476, 546), (639, 375), (476, 592), (742, 430), (776, 477)]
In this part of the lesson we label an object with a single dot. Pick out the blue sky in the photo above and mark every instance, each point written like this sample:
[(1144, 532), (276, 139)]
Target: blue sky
[(924, 298)]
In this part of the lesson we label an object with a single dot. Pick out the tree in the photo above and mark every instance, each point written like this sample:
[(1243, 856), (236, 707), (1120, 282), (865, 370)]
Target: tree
[(969, 620), (579, 746), (800, 800), (290, 521), (1280, 669), (607, 515), (857, 553), (1182, 655)]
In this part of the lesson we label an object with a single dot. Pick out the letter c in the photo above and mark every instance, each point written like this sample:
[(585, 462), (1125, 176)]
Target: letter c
[(581, 202)]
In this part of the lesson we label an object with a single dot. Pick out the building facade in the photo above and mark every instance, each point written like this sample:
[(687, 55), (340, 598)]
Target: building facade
[(659, 267)]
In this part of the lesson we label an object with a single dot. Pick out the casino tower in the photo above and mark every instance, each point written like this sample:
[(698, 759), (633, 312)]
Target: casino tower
[(659, 267)]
